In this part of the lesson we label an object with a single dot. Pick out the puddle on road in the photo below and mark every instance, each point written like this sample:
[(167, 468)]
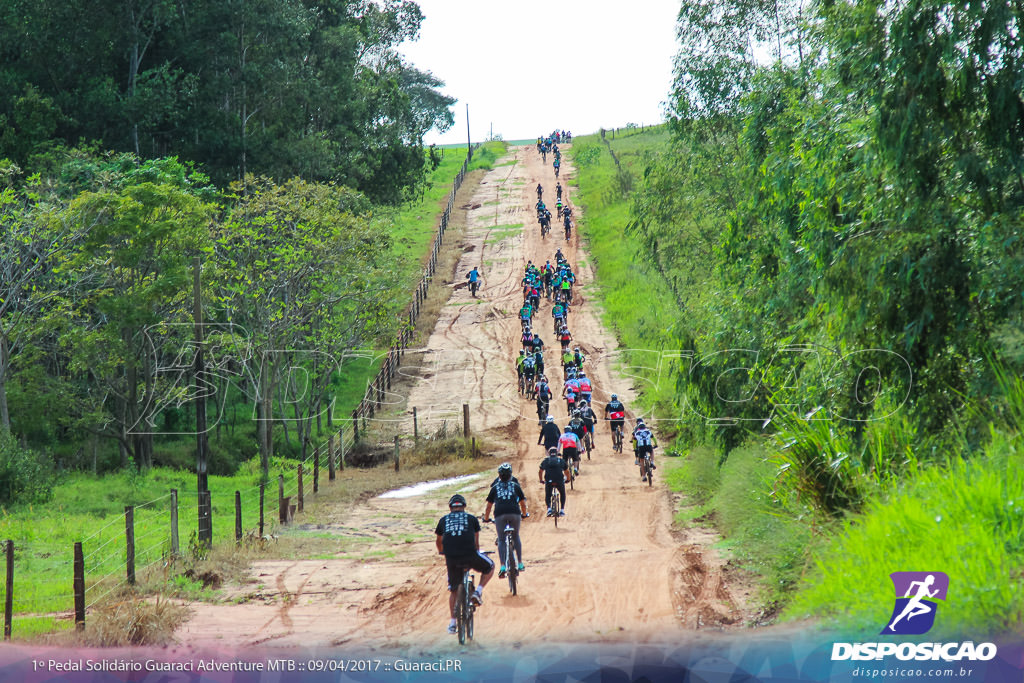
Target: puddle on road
[(425, 486)]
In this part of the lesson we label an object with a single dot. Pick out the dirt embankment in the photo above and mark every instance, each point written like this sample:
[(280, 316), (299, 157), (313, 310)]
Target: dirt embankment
[(613, 571)]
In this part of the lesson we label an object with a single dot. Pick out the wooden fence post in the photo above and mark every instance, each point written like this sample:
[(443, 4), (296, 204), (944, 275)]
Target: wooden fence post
[(330, 458), (238, 516), (129, 536), (263, 488), (9, 597), (415, 427), (316, 469), (79, 587), (465, 420), (174, 523), (396, 454), (281, 511), (298, 481)]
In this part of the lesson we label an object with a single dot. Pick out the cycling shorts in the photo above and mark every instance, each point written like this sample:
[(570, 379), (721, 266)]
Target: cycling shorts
[(571, 453), (641, 450), (456, 564), (618, 423)]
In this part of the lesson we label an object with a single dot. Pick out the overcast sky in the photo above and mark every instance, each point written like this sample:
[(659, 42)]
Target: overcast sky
[(530, 66)]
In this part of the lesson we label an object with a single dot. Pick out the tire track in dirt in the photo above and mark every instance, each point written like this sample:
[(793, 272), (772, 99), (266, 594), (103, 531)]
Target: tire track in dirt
[(612, 571)]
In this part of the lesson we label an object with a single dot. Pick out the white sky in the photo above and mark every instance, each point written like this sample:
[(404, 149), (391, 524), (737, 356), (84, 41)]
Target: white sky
[(530, 66)]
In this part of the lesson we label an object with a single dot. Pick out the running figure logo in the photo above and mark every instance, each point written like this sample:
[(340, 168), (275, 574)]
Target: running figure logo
[(916, 593)]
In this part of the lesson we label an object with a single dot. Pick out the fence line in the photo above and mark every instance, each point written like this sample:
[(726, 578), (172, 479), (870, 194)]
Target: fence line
[(373, 399)]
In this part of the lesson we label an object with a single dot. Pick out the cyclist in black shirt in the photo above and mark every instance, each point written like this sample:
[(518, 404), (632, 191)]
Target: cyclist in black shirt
[(507, 499), (549, 434), (553, 472), (458, 539)]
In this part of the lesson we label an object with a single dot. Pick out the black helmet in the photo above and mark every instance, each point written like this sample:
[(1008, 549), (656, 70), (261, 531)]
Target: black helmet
[(505, 471), (456, 500)]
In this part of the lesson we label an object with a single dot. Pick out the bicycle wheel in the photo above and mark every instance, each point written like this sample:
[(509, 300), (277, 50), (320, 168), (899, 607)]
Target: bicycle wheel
[(469, 612), (556, 506), (461, 609), (572, 476), (513, 564), (649, 471), (589, 445)]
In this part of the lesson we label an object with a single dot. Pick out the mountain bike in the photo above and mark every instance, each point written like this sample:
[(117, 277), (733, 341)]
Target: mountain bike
[(617, 439), (545, 228), (648, 468), (464, 607), (568, 230), (572, 473), (588, 443), (473, 286), (511, 559), (556, 505)]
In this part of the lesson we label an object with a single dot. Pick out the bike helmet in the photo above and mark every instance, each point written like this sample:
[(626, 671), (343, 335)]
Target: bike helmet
[(550, 419), (552, 451), (456, 501), (522, 352), (615, 397), (504, 471), (582, 404), (639, 421)]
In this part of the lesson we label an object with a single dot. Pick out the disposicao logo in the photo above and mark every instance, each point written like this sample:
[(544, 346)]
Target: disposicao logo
[(916, 606), (913, 614)]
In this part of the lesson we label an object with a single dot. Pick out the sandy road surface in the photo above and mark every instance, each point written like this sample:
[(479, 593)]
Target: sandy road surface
[(613, 571)]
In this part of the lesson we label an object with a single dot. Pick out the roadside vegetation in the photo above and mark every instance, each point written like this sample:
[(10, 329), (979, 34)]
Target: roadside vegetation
[(841, 255)]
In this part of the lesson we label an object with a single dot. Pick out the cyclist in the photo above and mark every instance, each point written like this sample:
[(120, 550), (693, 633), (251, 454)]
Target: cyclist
[(553, 473), (545, 223), (526, 314), (558, 208), (529, 368), (558, 190), (578, 426), (519, 362), (584, 386), (568, 367), (644, 443), (534, 297), (564, 337), (615, 411), (458, 539), (538, 362), (567, 280), (578, 358), (540, 191), (543, 393), (589, 418), (569, 443), (507, 499), (527, 338), (549, 434), (474, 280), (558, 312)]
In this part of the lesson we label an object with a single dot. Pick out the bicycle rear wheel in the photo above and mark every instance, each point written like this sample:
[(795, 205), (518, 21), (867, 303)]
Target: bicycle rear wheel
[(649, 471), (556, 506), (469, 613), (461, 609), (513, 566)]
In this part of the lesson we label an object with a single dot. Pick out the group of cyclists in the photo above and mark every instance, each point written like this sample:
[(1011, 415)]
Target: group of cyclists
[(563, 212), (563, 447)]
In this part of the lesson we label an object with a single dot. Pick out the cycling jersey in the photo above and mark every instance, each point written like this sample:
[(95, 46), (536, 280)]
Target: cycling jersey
[(506, 496), (554, 468), (579, 428), (569, 440), (583, 384), (537, 343), (643, 437)]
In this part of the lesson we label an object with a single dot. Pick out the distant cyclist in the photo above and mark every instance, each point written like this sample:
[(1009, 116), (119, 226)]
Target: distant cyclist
[(543, 393), (615, 411), (458, 539), (540, 191), (553, 473), (507, 499), (589, 419), (644, 443)]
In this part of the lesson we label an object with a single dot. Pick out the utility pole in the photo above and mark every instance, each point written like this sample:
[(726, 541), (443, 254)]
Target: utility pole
[(199, 382), (469, 140)]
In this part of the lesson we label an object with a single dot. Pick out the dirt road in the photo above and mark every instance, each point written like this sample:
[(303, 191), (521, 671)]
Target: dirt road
[(613, 571)]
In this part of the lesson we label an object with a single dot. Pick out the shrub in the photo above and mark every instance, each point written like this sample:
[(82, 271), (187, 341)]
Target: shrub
[(25, 475)]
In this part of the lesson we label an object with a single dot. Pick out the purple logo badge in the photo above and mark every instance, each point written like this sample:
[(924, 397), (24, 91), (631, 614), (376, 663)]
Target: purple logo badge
[(916, 593)]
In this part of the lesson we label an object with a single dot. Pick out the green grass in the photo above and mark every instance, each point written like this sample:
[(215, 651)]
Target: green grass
[(90, 509), (637, 305), (965, 518)]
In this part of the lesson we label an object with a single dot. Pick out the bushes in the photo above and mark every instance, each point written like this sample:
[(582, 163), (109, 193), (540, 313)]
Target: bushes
[(25, 475)]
